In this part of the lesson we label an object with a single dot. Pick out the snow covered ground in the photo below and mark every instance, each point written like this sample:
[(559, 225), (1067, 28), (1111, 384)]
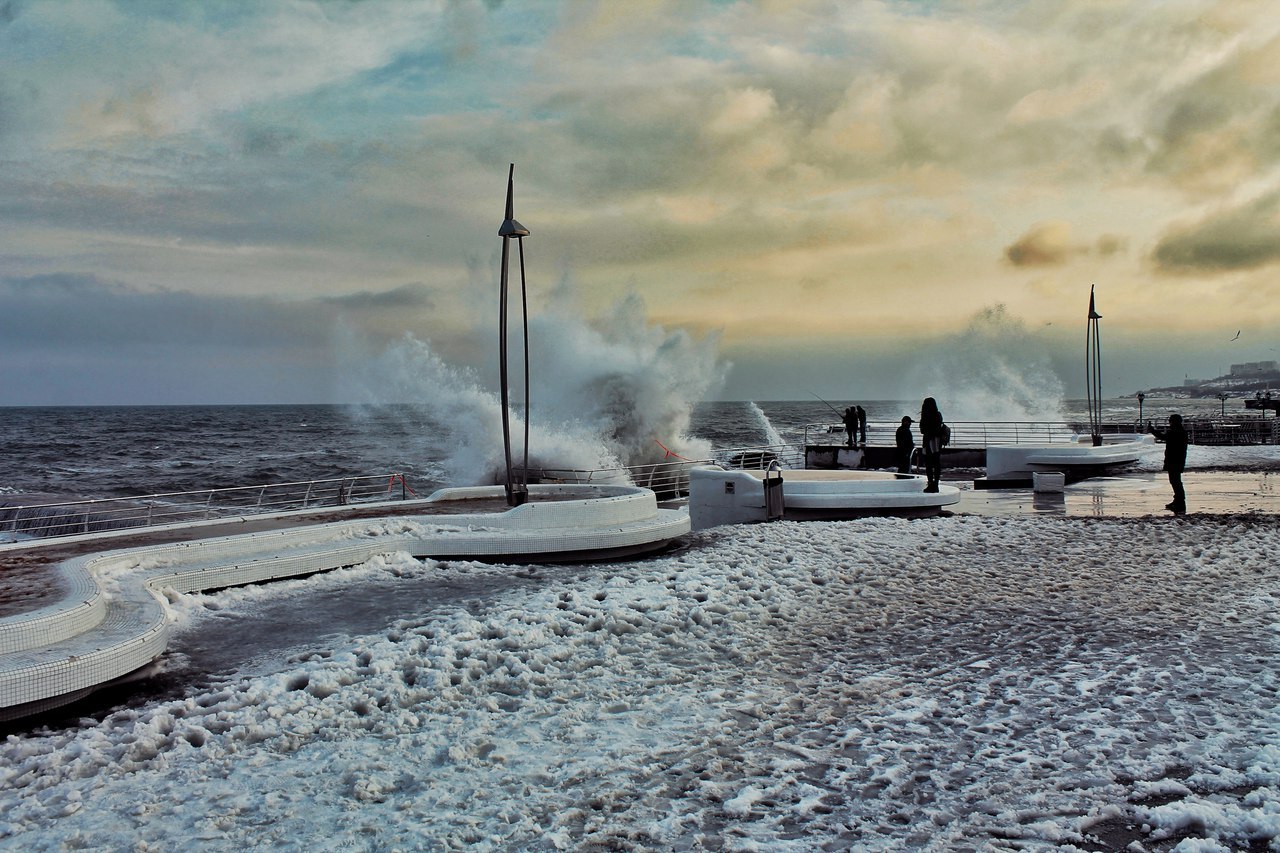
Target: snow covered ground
[(1248, 457), (954, 683)]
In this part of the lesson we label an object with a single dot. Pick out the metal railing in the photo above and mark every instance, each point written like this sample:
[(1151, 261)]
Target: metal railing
[(981, 434), (974, 434), (69, 518), (671, 478), (1218, 430)]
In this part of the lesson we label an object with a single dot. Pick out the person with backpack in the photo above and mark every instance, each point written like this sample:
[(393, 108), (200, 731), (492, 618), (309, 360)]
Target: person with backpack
[(933, 435)]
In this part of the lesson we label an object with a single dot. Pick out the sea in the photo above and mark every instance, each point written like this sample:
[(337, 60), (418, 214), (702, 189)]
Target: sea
[(72, 453)]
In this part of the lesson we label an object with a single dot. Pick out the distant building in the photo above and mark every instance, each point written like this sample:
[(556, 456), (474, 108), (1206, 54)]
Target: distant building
[(1249, 367)]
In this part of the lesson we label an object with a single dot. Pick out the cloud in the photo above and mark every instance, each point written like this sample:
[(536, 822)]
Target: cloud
[(1218, 127), (415, 295), (1046, 244), (299, 153), (1050, 244), (61, 284), (82, 312), (1111, 244), (1238, 238)]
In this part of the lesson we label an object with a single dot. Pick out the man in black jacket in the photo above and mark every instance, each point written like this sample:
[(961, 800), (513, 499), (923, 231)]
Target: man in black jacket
[(1175, 460), (850, 418), (905, 443)]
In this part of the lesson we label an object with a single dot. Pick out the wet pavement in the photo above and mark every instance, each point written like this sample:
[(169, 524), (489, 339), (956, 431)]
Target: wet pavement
[(1133, 495)]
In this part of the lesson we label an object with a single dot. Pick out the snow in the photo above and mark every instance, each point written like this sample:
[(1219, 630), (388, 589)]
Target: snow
[(954, 683), (1243, 457)]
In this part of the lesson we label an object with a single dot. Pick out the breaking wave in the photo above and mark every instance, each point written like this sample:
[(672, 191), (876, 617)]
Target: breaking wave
[(995, 370), (614, 392)]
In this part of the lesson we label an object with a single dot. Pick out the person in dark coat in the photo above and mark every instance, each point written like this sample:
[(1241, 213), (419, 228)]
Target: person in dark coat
[(931, 432), (906, 443), (850, 418), (862, 426), (1175, 460)]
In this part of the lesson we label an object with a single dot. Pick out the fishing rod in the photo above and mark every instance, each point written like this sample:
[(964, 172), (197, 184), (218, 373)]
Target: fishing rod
[(839, 414)]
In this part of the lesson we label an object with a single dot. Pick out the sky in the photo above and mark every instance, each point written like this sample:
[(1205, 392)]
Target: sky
[(242, 203)]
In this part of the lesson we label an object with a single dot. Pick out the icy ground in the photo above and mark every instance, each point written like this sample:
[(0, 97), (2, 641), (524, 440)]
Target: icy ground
[(1248, 457), (963, 683)]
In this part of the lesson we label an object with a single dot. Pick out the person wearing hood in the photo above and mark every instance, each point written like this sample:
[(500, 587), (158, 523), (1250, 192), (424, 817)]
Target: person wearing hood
[(1175, 460), (905, 444)]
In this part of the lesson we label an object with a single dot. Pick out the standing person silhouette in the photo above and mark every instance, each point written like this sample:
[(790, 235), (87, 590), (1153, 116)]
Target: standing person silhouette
[(931, 439), (862, 426), (850, 418), (905, 443), (1175, 460)]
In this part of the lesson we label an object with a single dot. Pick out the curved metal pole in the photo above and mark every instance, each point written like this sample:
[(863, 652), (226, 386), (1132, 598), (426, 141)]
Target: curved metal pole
[(511, 228), (1097, 378), (1088, 367), (524, 312), (502, 364), (1093, 371)]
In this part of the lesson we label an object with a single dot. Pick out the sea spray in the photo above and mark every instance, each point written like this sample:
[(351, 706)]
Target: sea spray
[(411, 379), (631, 383), (619, 392), (994, 371), (772, 437)]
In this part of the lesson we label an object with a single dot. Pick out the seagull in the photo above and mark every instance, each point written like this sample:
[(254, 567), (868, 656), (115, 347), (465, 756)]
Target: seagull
[(1237, 336)]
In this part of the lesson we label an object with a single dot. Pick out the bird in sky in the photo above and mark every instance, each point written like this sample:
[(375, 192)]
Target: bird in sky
[(1237, 336)]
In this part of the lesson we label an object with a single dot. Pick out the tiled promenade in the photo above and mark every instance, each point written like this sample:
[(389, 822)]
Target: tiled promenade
[(104, 616)]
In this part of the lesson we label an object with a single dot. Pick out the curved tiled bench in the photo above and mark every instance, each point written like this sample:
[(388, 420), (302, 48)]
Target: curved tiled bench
[(60, 620), (113, 622)]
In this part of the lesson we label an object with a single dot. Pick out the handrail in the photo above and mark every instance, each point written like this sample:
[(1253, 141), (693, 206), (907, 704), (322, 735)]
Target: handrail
[(65, 518), (671, 478), (153, 495), (975, 434)]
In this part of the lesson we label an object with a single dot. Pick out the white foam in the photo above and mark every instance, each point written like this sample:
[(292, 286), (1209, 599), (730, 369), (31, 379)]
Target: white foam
[(609, 393), (771, 436), (995, 370), (963, 682)]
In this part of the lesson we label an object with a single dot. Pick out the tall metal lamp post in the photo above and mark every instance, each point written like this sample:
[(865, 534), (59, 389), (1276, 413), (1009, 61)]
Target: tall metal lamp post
[(1141, 397), (1093, 371), (517, 488)]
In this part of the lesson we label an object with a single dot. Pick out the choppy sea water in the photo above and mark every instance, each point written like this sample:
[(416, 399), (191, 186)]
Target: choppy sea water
[(100, 452)]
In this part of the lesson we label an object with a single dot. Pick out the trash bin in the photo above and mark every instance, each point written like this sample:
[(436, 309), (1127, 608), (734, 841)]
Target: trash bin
[(773, 504)]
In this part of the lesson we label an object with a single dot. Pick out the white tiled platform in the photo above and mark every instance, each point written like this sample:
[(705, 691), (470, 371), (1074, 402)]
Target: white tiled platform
[(113, 620), (718, 496)]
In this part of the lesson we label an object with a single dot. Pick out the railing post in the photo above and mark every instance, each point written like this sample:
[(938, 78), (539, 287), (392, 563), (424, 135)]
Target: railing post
[(306, 499)]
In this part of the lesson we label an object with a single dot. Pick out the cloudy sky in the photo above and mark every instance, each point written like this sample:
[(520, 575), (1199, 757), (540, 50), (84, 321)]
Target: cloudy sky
[(231, 202)]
